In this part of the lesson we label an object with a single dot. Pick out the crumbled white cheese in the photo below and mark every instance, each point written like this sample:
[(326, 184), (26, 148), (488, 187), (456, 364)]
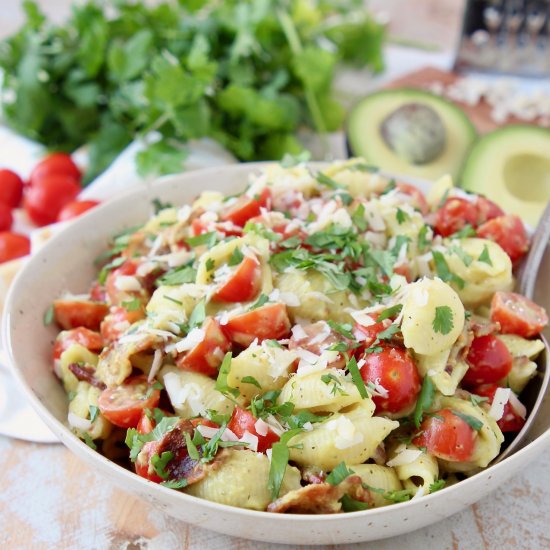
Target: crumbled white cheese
[(195, 337), (251, 439), (261, 427), (406, 456), (209, 432), (516, 404), (127, 283), (502, 395), (346, 435), (78, 422), (155, 365)]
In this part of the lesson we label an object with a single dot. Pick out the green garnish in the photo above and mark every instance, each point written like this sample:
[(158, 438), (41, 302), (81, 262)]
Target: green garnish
[(485, 257), (49, 315), (424, 401), (221, 381), (338, 474), (356, 378), (472, 421), (443, 320), (94, 412)]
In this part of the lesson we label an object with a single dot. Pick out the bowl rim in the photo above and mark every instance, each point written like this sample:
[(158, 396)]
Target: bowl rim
[(71, 441)]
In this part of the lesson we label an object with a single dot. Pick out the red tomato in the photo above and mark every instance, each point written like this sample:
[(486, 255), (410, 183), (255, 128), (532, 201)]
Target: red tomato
[(115, 295), (6, 217), (74, 209), (511, 420), (199, 421), (145, 425), (54, 165), (143, 462), (269, 321), (11, 188), (85, 337), (243, 284), (366, 335), (487, 210), (489, 361), (447, 436), (45, 199), (395, 371), (124, 404), (517, 314), (97, 293), (509, 232), (118, 321), (454, 215), (228, 229), (247, 207), (79, 313), (13, 245), (243, 421), (207, 356), (418, 199)]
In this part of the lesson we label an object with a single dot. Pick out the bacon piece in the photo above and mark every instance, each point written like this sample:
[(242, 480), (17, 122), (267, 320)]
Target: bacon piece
[(313, 474), (321, 498), (86, 373)]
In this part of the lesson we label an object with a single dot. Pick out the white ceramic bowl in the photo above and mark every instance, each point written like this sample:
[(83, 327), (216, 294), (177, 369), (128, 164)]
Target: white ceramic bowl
[(66, 263)]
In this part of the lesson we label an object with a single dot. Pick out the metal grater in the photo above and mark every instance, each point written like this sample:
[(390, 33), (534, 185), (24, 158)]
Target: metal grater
[(507, 37)]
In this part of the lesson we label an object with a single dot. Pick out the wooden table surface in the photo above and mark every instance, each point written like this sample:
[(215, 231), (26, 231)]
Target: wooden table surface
[(50, 499)]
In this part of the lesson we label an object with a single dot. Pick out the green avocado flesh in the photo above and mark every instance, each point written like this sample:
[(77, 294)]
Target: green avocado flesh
[(512, 167), (367, 138)]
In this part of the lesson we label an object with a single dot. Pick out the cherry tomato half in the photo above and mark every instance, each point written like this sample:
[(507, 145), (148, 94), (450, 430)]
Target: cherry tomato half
[(11, 188), (118, 321), (447, 436), (508, 232), (243, 283), (85, 337), (243, 421), (394, 370), (143, 462), (489, 361), (6, 217), (70, 314), (207, 356), (124, 404), (316, 338), (146, 424), (269, 321), (517, 314), (13, 245), (487, 210), (511, 420), (55, 164), (75, 209), (45, 199), (418, 200), (454, 215), (247, 207)]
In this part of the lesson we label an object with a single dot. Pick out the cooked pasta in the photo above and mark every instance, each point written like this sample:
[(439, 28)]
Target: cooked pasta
[(318, 342)]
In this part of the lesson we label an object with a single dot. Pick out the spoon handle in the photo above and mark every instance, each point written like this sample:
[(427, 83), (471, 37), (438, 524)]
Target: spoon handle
[(527, 274)]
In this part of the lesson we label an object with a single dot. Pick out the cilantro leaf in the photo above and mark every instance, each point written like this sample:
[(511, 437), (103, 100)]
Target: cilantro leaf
[(357, 379), (358, 218), (236, 257), (342, 328), (443, 271), (159, 463), (338, 474), (262, 300), (178, 276), (401, 216), (424, 401), (175, 483), (472, 421), (251, 380), (49, 315), (134, 304), (485, 257), (94, 413), (389, 312), (221, 381), (328, 181), (437, 485), (279, 461), (207, 239), (350, 504), (443, 320), (198, 315)]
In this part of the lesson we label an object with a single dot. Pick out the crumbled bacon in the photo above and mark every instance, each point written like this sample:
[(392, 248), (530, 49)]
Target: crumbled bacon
[(321, 498), (313, 474), (86, 373)]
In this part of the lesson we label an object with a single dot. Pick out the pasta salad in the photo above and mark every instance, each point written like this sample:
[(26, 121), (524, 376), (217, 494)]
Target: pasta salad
[(325, 341)]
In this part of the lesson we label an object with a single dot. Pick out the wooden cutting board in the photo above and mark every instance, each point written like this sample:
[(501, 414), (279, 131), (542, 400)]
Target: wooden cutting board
[(479, 114)]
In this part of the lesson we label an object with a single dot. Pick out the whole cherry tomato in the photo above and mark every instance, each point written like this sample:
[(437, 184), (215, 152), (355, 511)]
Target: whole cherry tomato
[(11, 188), (6, 217), (75, 209), (13, 245), (55, 164)]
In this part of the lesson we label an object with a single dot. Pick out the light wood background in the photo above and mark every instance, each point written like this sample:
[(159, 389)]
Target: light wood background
[(51, 500)]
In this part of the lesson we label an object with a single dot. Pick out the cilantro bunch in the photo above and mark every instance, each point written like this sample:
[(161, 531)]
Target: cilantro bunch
[(247, 73)]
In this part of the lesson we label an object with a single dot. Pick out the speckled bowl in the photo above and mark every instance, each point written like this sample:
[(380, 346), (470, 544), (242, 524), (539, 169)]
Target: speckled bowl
[(66, 263)]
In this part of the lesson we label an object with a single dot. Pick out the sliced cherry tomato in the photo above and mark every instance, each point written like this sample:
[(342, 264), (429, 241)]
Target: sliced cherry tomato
[(516, 314), (200, 421), (269, 321), (206, 356), (243, 421), (124, 404), (395, 371), (45, 199), (454, 215), (98, 293), (404, 270), (229, 229), (6, 217), (243, 283), (143, 462), (247, 207), (447, 436), (146, 424), (487, 210), (366, 335), (119, 321), (115, 294), (75, 209), (13, 245), (418, 199), (54, 165), (85, 337), (79, 313), (11, 188), (508, 232), (489, 361), (511, 420)]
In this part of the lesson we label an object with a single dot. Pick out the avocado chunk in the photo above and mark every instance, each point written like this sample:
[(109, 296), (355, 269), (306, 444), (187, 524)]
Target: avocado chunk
[(410, 132), (511, 166)]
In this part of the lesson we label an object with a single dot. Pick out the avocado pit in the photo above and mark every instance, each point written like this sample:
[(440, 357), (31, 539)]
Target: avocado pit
[(527, 177)]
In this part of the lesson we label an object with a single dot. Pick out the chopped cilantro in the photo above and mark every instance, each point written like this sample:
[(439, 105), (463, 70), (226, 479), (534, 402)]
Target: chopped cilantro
[(236, 257), (485, 257), (476, 400), (353, 369), (389, 312), (342, 328), (221, 381), (279, 461), (159, 463), (364, 167), (443, 271), (198, 315), (251, 380), (94, 412), (323, 179), (388, 333), (170, 299), (338, 474), (117, 262), (424, 401), (208, 239), (134, 304), (49, 316), (155, 386), (89, 441), (437, 485), (349, 504), (175, 483), (390, 187), (462, 254), (358, 218), (262, 300), (466, 232), (191, 447), (336, 384), (178, 276), (401, 216), (472, 421), (158, 205), (210, 264), (443, 320), (423, 240)]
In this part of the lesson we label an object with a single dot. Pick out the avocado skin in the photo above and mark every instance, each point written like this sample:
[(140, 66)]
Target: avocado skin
[(524, 189), (369, 112)]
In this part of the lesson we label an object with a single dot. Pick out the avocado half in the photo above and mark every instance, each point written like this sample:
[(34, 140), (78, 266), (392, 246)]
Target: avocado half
[(366, 136), (511, 166)]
